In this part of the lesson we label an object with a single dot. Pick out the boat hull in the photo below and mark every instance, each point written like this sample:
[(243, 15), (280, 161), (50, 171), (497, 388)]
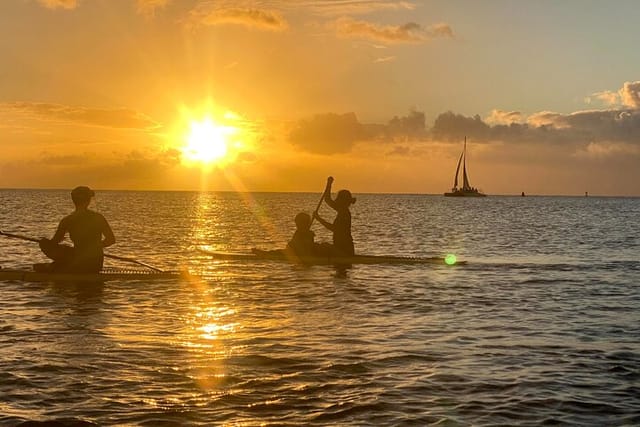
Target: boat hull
[(465, 194), (105, 276), (287, 257)]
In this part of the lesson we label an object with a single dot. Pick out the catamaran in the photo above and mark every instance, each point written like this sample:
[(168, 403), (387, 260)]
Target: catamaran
[(466, 190)]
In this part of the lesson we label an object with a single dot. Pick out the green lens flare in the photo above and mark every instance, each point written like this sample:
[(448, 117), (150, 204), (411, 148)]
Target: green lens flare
[(450, 259)]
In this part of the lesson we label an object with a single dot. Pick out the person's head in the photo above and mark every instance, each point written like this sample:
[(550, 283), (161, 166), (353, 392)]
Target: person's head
[(344, 198), (82, 195), (303, 221)]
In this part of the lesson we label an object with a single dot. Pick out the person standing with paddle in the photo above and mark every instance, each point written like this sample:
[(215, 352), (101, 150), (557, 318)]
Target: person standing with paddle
[(90, 233), (341, 226)]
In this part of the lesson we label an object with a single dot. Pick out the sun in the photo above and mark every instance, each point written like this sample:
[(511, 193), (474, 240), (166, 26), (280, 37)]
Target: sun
[(207, 142)]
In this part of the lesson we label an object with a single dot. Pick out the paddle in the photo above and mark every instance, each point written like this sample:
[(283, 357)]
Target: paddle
[(121, 258), (330, 179)]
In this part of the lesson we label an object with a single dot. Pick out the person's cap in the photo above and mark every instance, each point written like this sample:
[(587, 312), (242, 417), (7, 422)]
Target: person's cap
[(82, 193)]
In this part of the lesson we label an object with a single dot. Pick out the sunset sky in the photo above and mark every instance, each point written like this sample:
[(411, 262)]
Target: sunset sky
[(277, 95)]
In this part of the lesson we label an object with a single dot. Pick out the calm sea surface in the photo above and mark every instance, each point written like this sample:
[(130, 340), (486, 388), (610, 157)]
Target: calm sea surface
[(541, 327)]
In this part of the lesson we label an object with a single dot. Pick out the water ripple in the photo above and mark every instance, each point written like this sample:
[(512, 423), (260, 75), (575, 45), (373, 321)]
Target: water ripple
[(540, 328)]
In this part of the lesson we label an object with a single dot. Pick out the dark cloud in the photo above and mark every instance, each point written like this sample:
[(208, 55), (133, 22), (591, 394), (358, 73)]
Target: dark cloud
[(453, 127), (115, 118), (328, 133), (407, 127), (338, 133), (583, 126), (335, 133)]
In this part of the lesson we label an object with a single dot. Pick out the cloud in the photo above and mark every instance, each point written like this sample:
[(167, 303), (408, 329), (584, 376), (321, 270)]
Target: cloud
[(59, 4), (400, 150), (410, 32), (328, 133), (407, 127), (627, 96), (441, 29), (338, 133), (600, 150), (236, 13), (546, 118), (151, 168), (144, 7), (607, 97), (454, 127), (385, 59), (500, 117), (630, 94), (545, 127), (609, 132), (61, 160), (115, 118), (355, 7), (148, 7)]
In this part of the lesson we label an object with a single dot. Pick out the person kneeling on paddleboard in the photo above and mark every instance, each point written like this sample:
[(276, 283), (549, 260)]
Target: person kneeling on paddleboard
[(302, 243), (341, 226), (86, 229)]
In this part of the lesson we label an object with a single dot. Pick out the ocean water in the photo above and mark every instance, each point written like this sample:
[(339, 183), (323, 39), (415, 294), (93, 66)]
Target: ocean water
[(541, 327)]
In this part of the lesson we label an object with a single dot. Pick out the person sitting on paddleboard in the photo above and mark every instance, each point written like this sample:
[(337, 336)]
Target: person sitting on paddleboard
[(86, 229), (302, 243), (341, 226)]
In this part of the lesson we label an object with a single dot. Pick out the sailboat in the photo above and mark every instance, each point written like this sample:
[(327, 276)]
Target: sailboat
[(466, 190)]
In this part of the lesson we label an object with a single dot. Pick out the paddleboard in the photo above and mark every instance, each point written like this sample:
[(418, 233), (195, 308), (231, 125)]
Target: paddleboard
[(103, 276), (288, 257)]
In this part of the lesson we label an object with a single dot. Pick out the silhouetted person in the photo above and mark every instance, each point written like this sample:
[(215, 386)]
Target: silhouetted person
[(341, 226), (86, 229), (302, 243)]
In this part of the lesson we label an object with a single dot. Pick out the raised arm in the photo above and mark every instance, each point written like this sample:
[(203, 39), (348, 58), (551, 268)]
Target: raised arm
[(327, 194)]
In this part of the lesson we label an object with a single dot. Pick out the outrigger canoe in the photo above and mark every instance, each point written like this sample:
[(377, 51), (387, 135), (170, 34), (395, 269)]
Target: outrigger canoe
[(104, 276), (288, 257)]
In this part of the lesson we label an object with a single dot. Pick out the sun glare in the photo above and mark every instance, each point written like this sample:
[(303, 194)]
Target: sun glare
[(207, 142)]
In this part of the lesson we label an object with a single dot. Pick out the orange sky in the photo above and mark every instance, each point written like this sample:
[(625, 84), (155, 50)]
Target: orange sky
[(380, 94)]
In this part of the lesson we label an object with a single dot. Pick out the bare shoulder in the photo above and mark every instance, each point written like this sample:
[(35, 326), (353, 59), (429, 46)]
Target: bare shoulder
[(67, 219)]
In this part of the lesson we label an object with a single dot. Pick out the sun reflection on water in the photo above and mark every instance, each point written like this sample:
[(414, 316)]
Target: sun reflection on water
[(214, 329)]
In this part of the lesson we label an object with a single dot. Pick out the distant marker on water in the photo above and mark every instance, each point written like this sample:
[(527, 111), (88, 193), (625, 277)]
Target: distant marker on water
[(450, 259)]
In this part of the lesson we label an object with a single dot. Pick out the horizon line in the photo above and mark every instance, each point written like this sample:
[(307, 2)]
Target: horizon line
[(586, 195)]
